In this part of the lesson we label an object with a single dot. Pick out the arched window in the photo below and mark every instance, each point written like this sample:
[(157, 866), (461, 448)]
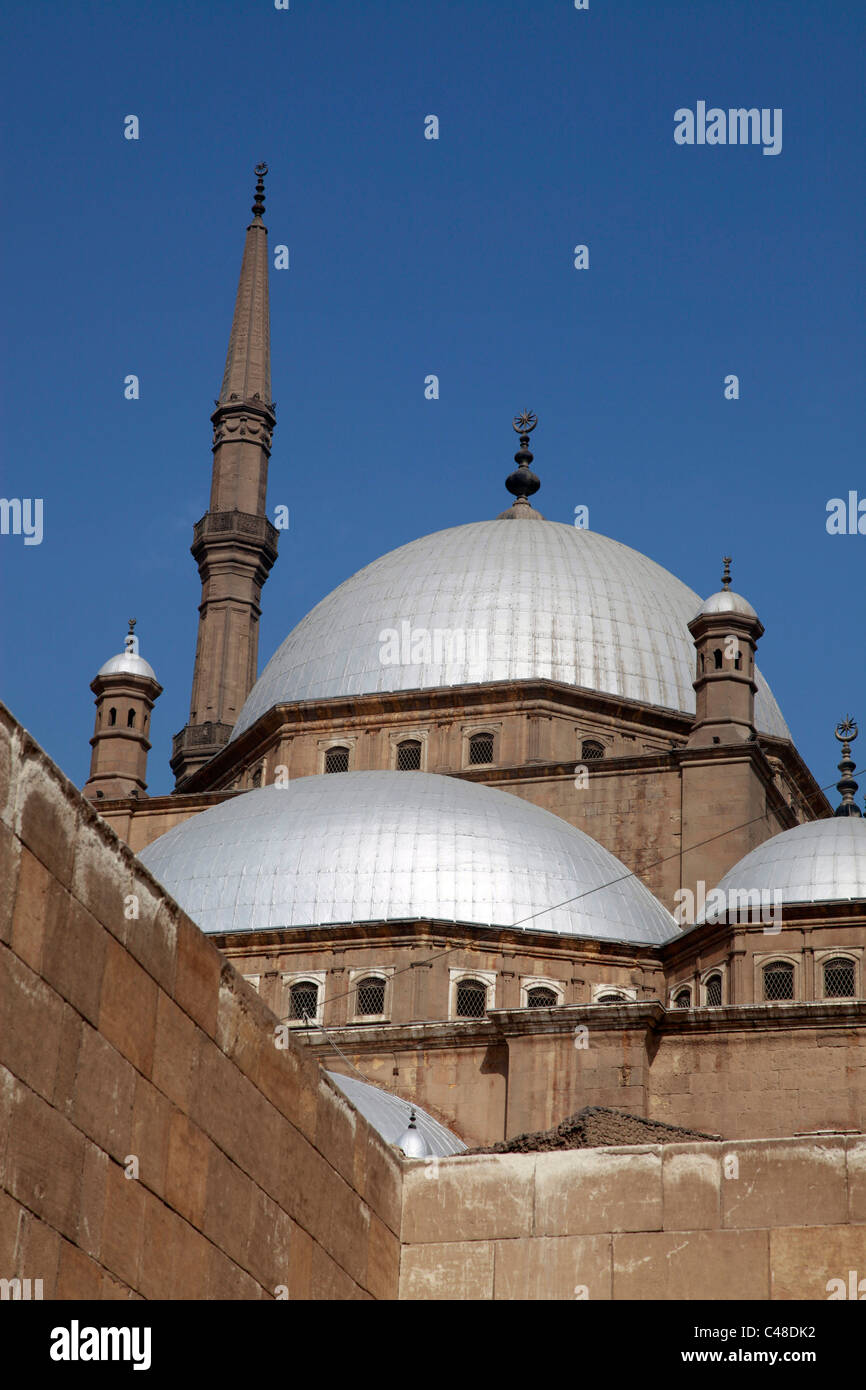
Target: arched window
[(611, 996), (540, 997), (130, 719), (112, 717), (471, 999), (591, 750), (409, 755), (839, 978), (371, 995), (303, 999), (337, 760), (480, 749), (737, 662), (778, 980), (257, 777), (683, 999), (713, 986), (717, 659)]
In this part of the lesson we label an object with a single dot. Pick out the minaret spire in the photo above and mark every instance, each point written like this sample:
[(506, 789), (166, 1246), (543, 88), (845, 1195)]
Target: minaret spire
[(234, 544), (846, 732)]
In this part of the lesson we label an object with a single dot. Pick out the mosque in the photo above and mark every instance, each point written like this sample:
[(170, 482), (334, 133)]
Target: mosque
[(510, 825)]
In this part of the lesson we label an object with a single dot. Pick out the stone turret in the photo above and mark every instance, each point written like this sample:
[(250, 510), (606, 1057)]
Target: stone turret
[(126, 689)]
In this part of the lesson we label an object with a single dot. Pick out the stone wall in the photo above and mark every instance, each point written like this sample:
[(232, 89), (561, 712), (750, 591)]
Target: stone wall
[(128, 1044), (747, 1220)]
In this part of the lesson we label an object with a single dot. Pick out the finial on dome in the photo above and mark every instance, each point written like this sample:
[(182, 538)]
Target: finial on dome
[(259, 201), (846, 732), (522, 483), (726, 577), (131, 641)]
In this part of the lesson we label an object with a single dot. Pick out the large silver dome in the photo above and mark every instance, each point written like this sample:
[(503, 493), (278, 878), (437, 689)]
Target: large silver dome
[(821, 861), (543, 601), (379, 846)]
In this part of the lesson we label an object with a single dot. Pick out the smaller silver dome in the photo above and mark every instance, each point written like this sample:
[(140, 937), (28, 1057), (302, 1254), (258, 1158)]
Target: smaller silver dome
[(412, 1141), (821, 861), (726, 601), (127, 664), (387, 1114)]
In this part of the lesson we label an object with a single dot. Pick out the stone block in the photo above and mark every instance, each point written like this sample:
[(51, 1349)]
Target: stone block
[(683, 1265), (152, 1116), (91, 1210), (104, 1092), (809, 1262), (10, 861), (69, 1055), (329, 1282), (382, 1279), (123, 1226), (176, 1053), (584, 1191), (383, 1178), (39, 1253), (855, 1156), (127, 1016), (336, 1125), (346, 1231), (553, 1267), (268, 1256), (46, 816), (44, 1162), (102, 878), (151, 938), (74, 959), (10, 766), (78, 1277), (301, 1264), (227, 1206), (786, 1182), (197, 977), (691, 1180), (30, 1024), (187, 1168), (40, 910), (482, 1197), (460, 1271)]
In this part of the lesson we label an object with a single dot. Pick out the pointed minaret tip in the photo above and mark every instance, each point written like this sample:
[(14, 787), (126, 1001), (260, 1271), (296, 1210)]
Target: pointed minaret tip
[(846, 732), (247, 375)]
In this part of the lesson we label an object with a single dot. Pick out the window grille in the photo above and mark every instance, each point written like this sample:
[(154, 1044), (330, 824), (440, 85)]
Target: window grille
[(481, 749), (714, 991), (683, 999), (540, 998), (409, 755), (371, 996), (778, 980), (471, 999), (337, 760), (611, 997), (304, 999), (591, 750), (839, 978)]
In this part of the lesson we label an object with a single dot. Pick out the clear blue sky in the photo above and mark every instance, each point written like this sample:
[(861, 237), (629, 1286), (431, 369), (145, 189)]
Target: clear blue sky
[(411, 257)]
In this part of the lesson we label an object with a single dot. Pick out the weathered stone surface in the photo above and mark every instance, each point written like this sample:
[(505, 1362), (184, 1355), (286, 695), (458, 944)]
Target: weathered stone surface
[(480, 1197), (786, 1182), (588, 1190), (459, 1271), (547, 1267), (716, 1265), (691, 1183), (803, 1261)]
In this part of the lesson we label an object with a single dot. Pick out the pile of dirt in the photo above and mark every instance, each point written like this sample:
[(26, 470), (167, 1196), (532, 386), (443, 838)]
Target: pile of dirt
[(596, 1126)]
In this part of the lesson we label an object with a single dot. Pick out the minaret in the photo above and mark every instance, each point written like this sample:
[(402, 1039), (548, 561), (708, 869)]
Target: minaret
[(726, 631), (234, 544), (126, 689)]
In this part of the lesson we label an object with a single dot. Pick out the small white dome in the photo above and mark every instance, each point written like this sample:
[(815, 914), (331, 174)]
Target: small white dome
[(726, 601), (127, 664), (396, 846), (821, 861)]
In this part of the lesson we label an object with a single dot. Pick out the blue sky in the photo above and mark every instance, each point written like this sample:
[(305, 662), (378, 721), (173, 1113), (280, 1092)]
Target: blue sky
[(412, 256)]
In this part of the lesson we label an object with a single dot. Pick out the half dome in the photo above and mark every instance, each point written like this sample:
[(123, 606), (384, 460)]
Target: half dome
[(548, 601), (380, 846), (820, 861), (389, 1115)]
